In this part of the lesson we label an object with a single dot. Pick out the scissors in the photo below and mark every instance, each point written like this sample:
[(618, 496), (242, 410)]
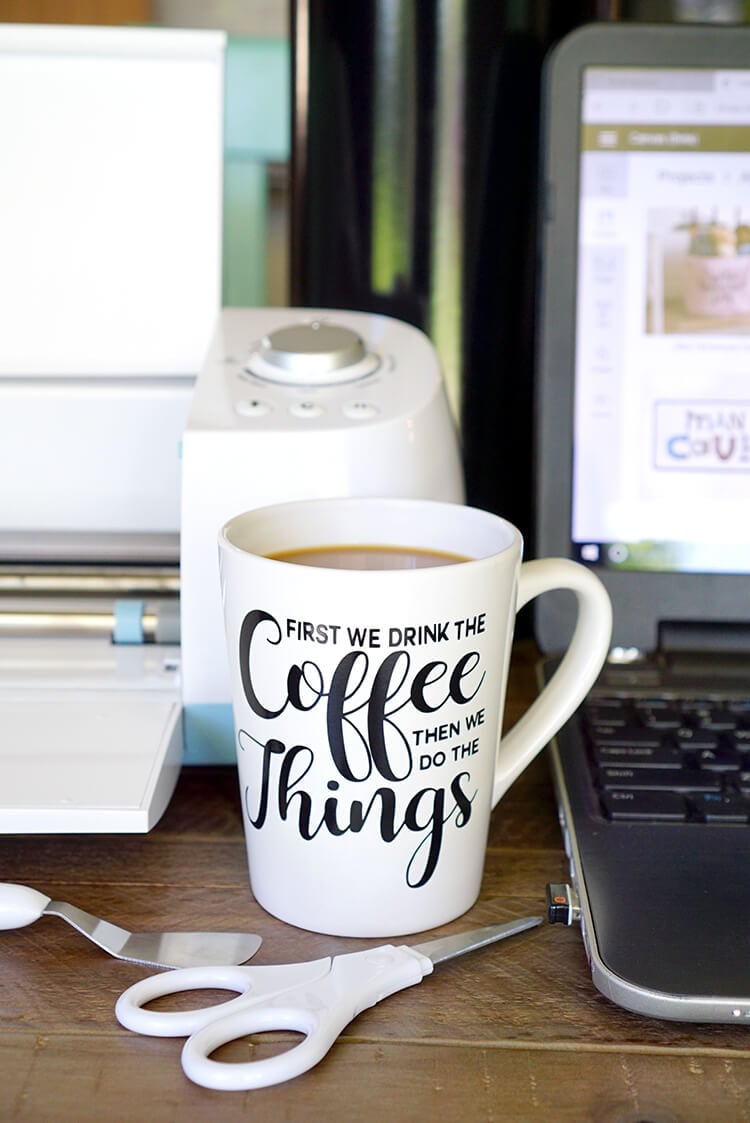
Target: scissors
[(318, 999)]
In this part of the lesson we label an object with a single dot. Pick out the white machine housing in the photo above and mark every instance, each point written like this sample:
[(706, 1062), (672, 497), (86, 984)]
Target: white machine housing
[(292, 404), (110, 284)]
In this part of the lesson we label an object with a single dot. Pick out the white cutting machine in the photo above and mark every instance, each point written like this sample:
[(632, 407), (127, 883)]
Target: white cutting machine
[(135, 413)]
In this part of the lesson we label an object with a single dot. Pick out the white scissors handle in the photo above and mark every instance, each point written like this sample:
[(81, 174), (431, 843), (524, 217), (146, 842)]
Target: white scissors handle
[(252, 984), (320, 1011), (317, 999)]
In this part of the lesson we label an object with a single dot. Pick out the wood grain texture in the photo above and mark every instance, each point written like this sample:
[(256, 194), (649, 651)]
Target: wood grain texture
[(512, 1032), (124, 1078)]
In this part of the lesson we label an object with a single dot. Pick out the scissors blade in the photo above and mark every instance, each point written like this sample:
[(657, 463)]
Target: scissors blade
[(447, 947)]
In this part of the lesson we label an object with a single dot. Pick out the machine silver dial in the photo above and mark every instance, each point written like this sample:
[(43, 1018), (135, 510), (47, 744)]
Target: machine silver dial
[(312, 353)]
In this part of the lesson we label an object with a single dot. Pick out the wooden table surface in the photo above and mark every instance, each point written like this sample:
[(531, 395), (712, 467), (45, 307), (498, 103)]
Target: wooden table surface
[(513, 1032)]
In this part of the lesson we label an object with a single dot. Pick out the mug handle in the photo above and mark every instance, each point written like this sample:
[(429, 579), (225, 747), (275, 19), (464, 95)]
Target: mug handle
[(576, 673)]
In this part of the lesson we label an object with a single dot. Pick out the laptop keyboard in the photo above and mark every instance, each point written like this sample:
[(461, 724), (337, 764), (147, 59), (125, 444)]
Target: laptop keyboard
[(670, 760)]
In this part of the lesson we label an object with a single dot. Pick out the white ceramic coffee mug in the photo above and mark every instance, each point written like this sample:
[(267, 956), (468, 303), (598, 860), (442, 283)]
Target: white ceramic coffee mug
[(368, 704)]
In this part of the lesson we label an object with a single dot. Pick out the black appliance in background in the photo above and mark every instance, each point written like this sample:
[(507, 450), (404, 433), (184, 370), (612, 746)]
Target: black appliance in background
[(414, 194)]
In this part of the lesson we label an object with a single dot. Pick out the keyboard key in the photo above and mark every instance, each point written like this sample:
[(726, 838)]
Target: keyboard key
[(627, 736), (606, 713), (724, 758), (729, 808), (696, 705), (638, 756), (741, 780), (696, 740), (642, 806), (662, 717), (719, 719), (659, 779)]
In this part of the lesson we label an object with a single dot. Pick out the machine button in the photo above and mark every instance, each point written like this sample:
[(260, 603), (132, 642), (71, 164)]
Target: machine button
[(306, 410), (360, 411), (252, 407)]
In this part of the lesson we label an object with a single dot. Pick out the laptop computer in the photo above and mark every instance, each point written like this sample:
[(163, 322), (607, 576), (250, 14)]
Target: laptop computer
[(643, 462)]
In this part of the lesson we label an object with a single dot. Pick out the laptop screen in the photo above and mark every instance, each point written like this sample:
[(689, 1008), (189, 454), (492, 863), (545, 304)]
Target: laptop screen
[(661, 426)]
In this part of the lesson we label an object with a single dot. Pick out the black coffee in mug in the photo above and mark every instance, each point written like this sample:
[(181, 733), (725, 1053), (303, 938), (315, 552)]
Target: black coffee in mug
[(368, 557)]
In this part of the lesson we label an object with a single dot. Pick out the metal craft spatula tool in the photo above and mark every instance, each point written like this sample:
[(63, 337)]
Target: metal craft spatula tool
[(20, 905)]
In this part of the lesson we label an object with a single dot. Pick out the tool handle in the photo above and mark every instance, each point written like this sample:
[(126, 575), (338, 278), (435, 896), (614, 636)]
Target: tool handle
[(250, 985), (320, 1010), (20, 905)]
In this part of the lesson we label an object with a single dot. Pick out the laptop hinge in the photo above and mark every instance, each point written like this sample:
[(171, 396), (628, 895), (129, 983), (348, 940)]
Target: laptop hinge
[(723, 637), (683, 644)]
